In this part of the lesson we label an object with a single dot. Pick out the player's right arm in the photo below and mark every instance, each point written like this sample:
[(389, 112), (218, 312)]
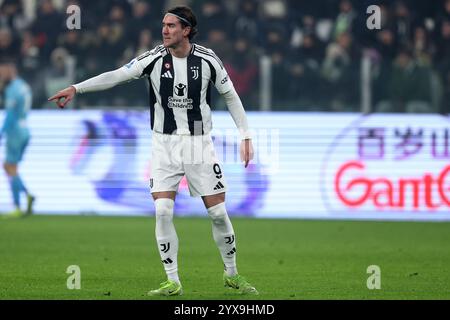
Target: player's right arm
[(103, 81), (132, 70)]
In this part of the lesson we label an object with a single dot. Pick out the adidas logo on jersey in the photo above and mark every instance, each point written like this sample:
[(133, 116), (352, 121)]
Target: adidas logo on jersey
[(167, 74), (219, 186)]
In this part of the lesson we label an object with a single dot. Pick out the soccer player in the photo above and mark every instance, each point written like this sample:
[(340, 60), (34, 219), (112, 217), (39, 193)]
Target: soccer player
[(180, 73), (17, 102)]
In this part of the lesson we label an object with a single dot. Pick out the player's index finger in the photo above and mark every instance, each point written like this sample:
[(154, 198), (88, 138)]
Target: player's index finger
[(56, 96)]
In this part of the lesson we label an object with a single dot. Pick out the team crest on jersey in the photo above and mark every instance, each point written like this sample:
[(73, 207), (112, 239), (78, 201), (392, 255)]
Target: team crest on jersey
[(194, 70)]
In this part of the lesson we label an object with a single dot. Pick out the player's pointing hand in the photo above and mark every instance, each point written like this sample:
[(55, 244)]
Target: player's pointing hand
[(66, 94)]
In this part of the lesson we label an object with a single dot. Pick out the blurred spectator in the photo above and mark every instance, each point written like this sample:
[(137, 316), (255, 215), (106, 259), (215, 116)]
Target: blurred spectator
[(89, 70), (423, 49), (305, 85), (143, 17), (8, 47), (109, 45), (445, 108), (402, 23), (385, 52), (134, 92), (443, 43), (275, 15), (59, 75), (314, 46), (386, 44), (318, 9), (212, 14), (443, 62), (274, 40), (145, 42), (276, 48), (274, 10), (345, 19), (443, 14), (74, 43), (117, 24), (247, 23), (47, 27), (305, 26), (280, 79), (339, 70), (217, 40), (409, 86), (29, 58), (243, 72), (12, 17)]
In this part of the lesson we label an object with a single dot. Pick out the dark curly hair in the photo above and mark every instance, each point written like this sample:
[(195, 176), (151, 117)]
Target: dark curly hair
[(188, 19)]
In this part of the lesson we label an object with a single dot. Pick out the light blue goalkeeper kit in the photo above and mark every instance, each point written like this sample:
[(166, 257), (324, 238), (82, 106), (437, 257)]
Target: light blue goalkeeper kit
[(17, 103)]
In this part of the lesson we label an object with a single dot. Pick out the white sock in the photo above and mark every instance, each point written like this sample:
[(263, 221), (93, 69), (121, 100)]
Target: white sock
[(173, 276), (166, 237), (223, 234)]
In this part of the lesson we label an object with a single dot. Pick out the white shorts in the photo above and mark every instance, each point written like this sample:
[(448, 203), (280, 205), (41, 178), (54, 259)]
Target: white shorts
[(174, 156)]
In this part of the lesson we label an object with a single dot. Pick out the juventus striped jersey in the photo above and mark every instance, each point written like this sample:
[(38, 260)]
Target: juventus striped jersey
[(179, 89)]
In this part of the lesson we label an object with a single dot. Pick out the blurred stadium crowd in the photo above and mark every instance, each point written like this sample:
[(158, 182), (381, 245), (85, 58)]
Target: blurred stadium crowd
[(316, 49)]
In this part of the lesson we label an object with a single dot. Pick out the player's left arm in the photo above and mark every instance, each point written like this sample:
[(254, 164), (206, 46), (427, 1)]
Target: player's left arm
[(225, 87), (237, 112)]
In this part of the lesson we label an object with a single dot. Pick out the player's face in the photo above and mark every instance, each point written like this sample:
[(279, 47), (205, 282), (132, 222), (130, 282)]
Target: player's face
[(172, 32)]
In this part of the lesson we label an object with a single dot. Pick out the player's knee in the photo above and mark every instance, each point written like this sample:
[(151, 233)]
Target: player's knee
[(218, 213), (164, 208), (11, 170)]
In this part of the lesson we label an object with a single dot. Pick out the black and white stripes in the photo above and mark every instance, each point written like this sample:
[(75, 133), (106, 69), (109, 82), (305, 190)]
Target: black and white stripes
[(179, 89)]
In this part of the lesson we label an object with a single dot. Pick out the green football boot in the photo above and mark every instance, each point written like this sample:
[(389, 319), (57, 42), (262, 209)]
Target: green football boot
[(167, 288), (30, 201), (239, 283), (17, 213)]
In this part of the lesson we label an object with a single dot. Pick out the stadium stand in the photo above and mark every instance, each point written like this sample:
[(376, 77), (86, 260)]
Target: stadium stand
[(315, 48)]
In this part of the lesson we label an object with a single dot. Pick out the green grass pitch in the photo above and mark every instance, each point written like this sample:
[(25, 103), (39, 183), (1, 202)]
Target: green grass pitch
[(284, 259)]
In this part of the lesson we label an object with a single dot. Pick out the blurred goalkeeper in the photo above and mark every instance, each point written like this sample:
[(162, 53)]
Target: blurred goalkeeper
[(180, 74), (17, 103)]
